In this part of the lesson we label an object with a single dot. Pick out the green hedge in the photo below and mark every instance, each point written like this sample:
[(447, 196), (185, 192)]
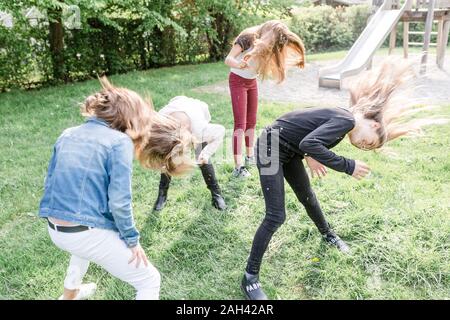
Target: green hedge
[(126, 35), (324, 28), (120, 36), (24, 59)]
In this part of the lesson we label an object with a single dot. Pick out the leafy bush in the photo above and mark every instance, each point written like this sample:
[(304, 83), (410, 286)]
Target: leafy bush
[(119, 36), (327, 28), (24, 57)]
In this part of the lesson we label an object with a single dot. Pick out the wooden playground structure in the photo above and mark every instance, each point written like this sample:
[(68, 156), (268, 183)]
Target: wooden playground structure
[(383, 24), (427, 12)]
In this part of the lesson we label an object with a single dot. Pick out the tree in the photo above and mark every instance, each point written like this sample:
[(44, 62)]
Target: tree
[(56, 40)]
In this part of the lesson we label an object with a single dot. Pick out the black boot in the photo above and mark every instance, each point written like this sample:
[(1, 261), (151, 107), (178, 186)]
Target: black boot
[(210, 179), (333, 239), (162, 194), (251, 287)]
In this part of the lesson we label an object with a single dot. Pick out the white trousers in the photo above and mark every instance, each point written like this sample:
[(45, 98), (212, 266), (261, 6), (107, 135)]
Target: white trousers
[(106, 249)]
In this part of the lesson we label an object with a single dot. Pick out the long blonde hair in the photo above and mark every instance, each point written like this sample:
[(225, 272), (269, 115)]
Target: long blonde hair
[(121, 108), (167, 147), (275, 47), (379, 95), (159, 142)]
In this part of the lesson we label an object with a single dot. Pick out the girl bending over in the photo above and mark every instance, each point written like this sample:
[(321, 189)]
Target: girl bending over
[(309, 134), (193, 116)]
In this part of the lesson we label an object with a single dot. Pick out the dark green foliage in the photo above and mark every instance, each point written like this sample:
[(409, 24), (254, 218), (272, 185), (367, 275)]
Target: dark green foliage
[(326, 28), (112, 36)]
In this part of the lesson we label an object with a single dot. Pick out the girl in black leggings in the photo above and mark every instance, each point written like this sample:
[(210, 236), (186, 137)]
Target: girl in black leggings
[(310, 134)]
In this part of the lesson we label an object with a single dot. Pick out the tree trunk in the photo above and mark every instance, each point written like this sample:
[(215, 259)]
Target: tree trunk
[(56, 34), (164, 50)]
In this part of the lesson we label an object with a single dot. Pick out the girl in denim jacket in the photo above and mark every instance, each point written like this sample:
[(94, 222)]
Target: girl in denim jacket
[(87, 196)]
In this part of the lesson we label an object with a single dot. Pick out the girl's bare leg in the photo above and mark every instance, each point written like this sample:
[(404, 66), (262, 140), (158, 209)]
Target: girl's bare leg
[(250, 152), (70, 294), (237, 161), (74, 277)]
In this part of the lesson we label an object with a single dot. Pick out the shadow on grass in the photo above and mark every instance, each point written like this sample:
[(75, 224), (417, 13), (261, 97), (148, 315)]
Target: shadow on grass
[(196, 264)]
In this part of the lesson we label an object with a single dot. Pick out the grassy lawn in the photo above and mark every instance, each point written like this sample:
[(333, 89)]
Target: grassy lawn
[(397, 221)]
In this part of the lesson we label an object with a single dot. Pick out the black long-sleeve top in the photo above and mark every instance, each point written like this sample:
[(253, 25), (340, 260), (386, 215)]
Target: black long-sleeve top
[(314, 131)]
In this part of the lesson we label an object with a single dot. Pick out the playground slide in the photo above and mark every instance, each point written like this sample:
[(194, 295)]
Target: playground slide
[(360, 55)]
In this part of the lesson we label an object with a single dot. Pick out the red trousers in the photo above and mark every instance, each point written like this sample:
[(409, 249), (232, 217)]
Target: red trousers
[(244, 98)]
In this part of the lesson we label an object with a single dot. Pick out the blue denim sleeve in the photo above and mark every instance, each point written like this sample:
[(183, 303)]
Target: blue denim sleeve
[(51, 168), (119, 191)]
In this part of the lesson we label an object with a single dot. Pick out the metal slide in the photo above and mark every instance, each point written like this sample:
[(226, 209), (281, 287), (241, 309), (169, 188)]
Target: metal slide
[(360, 55)]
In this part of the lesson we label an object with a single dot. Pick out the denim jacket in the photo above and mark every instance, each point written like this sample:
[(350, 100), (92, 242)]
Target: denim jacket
[(89, 179)]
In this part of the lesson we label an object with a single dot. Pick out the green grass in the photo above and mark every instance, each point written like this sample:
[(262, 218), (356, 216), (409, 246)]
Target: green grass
[(397, 221)]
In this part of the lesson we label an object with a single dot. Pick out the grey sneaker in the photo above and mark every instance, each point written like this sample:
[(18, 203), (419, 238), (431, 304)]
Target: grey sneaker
[(334, 240), (242, 172), (250, 161)]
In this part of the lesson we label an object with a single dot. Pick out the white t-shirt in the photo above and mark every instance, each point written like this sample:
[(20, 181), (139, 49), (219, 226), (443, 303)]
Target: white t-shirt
[(199, 116), (248, 73)]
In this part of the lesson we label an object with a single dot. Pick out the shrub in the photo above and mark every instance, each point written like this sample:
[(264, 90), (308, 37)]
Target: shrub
[(326, 28), (119, 36)]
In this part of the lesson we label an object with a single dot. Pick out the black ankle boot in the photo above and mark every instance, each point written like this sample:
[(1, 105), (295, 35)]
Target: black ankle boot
[(211, 182), (333, 239), (162, 194), (251, 287)]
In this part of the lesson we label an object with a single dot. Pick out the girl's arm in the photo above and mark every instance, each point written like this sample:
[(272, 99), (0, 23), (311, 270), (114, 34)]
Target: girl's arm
[(315, 145), (231, 60), (119, 190)]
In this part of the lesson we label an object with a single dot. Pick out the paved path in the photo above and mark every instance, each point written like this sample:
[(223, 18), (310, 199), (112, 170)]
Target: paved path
[(302, 86)]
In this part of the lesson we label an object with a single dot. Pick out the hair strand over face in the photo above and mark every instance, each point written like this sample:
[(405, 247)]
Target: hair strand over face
[(375, 96), (275, 48), (160, 143), (121, 108)]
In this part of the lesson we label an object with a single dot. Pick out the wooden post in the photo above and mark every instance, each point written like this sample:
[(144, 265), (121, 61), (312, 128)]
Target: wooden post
[(439, 30), (438, 41), (427, 36), (393, 39), (405, 39), (409, 6), (443, 44)]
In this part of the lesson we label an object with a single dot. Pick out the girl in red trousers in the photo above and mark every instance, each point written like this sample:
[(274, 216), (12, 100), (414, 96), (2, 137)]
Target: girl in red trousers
[(262, 51)]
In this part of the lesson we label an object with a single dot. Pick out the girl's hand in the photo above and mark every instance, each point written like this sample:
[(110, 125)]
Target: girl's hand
[(316, 168), (138, 254), (243, 65), (231, 59), (361, 170)]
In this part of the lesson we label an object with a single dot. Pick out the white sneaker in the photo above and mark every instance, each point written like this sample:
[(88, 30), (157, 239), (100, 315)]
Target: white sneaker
[(87, 290), (242, 172), (250, 161)]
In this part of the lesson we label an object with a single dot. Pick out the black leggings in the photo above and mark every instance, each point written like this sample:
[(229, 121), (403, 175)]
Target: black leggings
[(292, 169)]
